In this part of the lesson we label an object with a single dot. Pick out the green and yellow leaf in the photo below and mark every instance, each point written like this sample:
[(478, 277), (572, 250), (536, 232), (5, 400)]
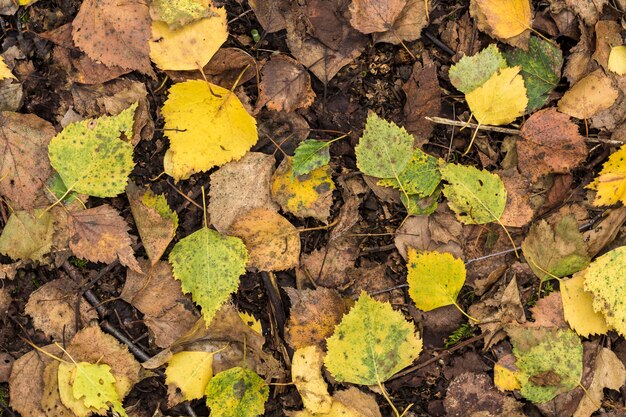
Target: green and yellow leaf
[(236, 392)]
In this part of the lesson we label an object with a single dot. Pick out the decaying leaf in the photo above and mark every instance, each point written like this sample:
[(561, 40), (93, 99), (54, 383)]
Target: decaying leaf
[(178, 13), (611, 180), (187, 376), (237, 392), (589, 96), (518, 210), (407, 26), (100, 234), (369, 16), (473, 71), (507, 20), (423, 98), (578, 307), (285, 85), (548, 312), (306, 374), (359, 351), (472, 394), (207, 126), (27, 235), (505, 373)]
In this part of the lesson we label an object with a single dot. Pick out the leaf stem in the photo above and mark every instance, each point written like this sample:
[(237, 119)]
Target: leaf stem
[(206, 222), (464, 313), (384, 392)]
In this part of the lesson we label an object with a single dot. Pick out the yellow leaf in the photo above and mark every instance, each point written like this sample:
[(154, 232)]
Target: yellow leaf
[(501, 99), (188, 372), (578, 307), (251, 321), (306, 374), (435, 279), (66, 393), (309, 195), (617, 60), (207, 126), (505, 18), (505, 374), (190, 47), (610, 183), (5, 72)]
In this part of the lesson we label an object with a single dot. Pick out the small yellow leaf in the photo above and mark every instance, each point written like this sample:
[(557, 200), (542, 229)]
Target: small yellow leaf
[(611, 181), (190, 47), (505, 18), (435, 279), (505, 374), (251, 321), (578, 307), (501, 99), (617, 60), (188, 372), (5, 72), (306, 374)]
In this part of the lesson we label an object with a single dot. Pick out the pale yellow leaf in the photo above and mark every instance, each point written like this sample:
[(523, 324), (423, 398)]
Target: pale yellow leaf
[(188, 372), (306, 374), (5, 72)]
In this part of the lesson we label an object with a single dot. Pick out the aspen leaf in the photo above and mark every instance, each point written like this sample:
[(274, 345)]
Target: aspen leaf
[(208, 265), (384, 150), (306, 374), (207, 126), (476, 196), (503, 18), (5, 72), (187, 375), (237, 392), (27, 235), (610, 183), (604, 278), (420, 176), (473, 71), (555, 251), (500, 100), (435, 278), (371, 344), (550, 361), (91, 158), (578, 307), (617, 60), (178, 13), (190, 47), (309, 155)]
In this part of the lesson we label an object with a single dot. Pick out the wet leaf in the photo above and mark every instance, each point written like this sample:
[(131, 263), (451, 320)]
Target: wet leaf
[(309, 155), (473, 71), (237, 392), (611, 180)]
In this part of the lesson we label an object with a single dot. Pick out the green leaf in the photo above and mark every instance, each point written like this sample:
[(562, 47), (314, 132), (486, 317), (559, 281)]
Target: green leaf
[(604, 278), (420, 176), (27, 235), (541, 69), (556, 251), (417, 206), (208, 265), (309, 155), (473, 71), (57, 189), (371, 344), (94, 385), (550, 361), (236, 392), (91, 158), (435, 279), (384, 149), (476, 196)]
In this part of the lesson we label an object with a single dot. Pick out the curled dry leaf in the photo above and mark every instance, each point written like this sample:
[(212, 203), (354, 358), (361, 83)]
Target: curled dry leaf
[(607, 36), (588, 10), (589, 96), (605, 231), (285, 85), (100, 234)]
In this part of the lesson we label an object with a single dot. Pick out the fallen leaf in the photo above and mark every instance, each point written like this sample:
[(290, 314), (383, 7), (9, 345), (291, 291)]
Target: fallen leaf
[(507, 20), (419, 177), (617, 60), (240, 186), (578, 307), (372, 343), (25, 167), (423, 98), (166, 312), (313, 316), (285, 85), (610, 183), (588, 10), (472, 394), (208, 265), (551, 144), (589, 96), (51, 399), (114, 34), (555, 250), (473, 71), (407, 26), (5, 71), (605, 231), (179, 13), (189, 47), (27, 235), (505, 373), (310, 155), (53, 308), (306, 374), (518, 210), (100, 234), (187, 376), (548, 312), (369, 16), (197, 145), (269, 14), (309, 195), (607, 36), (237, 392), (155, 221)]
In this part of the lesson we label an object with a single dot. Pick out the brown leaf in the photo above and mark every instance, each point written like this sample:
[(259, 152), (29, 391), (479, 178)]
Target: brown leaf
[(53, 309), (313, 316), (285, 85), (610, 118), (269, 14), (240, 186), (605, 231), (407, 26), (288, 129), (326, 266), (369, 16), (579, 62), (25, 166), (588, 10), (518, 211), (423, 98), (11, 95), (363, 404), (589, 96), (459, 35), (608, 35), (548, 312), (551, 144), (101, 235), (167, 312), (115, 33)]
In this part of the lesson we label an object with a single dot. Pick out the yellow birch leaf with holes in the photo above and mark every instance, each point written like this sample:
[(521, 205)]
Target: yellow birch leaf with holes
[(617, 60), (371, 344), (578, 307), (306, 374), (207, 126), (190, 47), (5, 72), (505, 18), (505, 374), (501, 99), (604, 278), (435, 278), (309, 195), (610, 183), (187, 375)]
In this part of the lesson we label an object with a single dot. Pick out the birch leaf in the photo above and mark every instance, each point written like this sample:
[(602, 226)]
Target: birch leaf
[(237, 392)]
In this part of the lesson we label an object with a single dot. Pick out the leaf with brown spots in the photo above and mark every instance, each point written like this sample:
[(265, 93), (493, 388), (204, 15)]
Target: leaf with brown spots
[(551, 144), (285, 85), (100, 234), (114, 33)]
